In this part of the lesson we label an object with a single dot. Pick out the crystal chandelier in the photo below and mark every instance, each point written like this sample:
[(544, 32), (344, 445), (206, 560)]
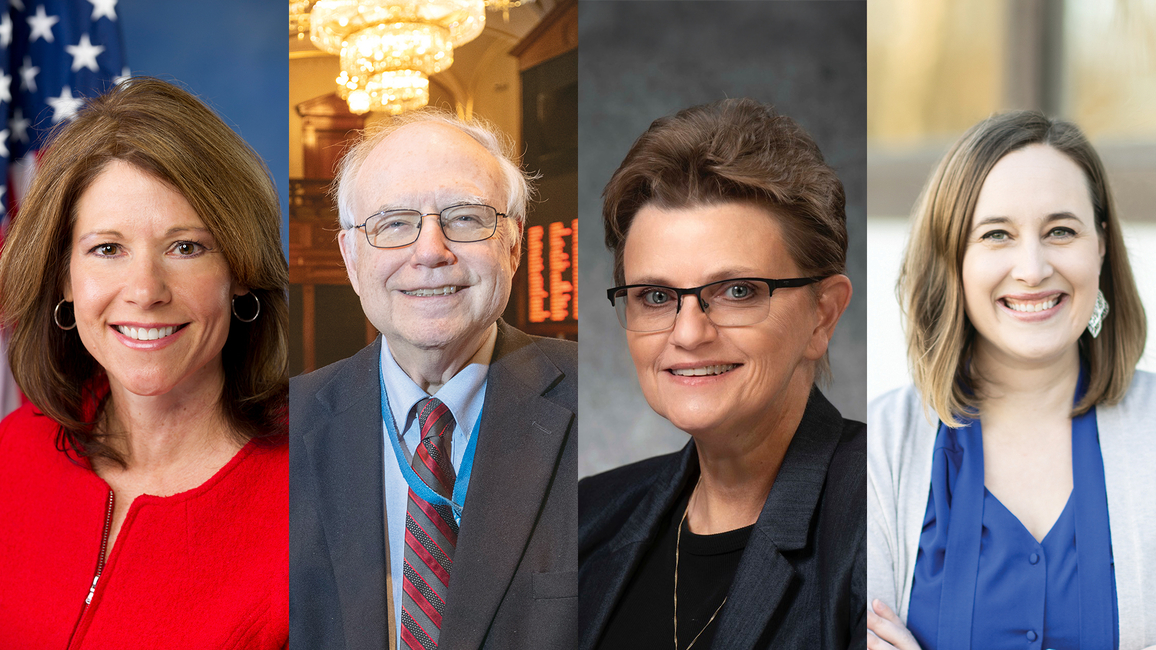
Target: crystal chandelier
[(505, 6), (299, 18), (388, 48)]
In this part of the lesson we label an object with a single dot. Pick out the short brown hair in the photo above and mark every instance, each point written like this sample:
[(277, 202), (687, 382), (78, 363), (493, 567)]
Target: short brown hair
[(940, 338), (166, 132), (734, 150)]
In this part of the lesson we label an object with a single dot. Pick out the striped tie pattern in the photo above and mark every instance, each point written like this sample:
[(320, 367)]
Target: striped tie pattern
[(430, 532)]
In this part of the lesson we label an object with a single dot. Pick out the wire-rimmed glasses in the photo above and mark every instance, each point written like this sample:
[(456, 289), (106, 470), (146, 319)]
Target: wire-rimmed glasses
[(459, 223), (727, 303)]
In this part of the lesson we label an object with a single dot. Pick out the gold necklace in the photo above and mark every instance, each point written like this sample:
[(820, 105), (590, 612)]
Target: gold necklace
[(677, 541)]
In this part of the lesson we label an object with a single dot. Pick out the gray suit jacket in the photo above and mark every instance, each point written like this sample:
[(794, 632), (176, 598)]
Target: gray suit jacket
[(514, 583), (801, 582)]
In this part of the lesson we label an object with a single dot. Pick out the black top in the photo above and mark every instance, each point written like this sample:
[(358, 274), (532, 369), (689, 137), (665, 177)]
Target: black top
[(802, 579), (706, 567)]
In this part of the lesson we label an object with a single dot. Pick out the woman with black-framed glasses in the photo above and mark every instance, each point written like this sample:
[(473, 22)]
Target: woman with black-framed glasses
[(754, 535)]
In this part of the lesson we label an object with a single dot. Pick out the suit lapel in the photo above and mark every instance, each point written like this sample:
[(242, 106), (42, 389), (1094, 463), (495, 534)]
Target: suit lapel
[(627, 547), (520, 440), (345, 453), (764, 574)]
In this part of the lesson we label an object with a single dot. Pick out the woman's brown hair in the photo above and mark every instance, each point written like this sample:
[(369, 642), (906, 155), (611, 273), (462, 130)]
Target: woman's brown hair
[(166, 132), (734, 150), (940, 338)]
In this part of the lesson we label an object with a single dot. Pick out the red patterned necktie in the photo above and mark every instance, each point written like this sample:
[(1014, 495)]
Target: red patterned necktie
[(430, 532)]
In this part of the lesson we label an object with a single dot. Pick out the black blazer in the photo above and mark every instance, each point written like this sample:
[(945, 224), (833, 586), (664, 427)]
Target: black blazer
[(802, 580), (514, 582)]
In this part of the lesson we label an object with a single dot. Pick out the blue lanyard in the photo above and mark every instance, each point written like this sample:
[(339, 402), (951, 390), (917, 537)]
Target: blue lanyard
[(461, 483)]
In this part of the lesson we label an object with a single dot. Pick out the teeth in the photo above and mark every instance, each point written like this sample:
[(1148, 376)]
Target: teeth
[(441, 291), (1032, 306), (145, 333), (703, 372)]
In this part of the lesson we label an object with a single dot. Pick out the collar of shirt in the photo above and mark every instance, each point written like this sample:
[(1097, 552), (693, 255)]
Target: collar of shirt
[(463, 394)]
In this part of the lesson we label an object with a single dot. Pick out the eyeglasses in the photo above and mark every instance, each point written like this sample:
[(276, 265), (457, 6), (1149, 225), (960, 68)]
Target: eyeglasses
[(727, 303), (460, 223)]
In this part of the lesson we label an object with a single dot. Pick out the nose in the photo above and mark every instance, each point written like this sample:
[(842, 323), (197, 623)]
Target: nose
[(1032, 265), (146, 282), (432, 248), (692, 328)]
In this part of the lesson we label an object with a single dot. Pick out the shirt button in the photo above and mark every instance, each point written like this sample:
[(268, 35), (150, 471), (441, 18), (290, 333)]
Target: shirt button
[(1031, 635), (1034, 558)]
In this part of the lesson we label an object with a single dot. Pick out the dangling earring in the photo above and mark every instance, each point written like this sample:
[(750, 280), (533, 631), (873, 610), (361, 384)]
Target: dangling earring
[(256, 310), (1098, 314), (56, 317)]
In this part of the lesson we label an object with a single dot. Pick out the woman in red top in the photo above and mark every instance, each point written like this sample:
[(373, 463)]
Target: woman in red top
[(144, 490)]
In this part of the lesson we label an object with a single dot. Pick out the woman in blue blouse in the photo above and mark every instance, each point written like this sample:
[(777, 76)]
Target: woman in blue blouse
[(1010, 490)]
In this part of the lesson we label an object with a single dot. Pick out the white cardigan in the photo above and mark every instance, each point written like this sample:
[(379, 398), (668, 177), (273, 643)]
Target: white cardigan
[(900, 442)]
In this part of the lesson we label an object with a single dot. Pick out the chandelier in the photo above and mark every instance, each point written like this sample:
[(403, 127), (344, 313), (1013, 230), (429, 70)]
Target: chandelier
[(388, 48), (505, 6), (299, 18)]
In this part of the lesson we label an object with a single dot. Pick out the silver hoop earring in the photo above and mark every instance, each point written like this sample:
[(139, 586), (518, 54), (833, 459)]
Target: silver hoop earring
[(256, 310), (1096, 322), (56, 317)]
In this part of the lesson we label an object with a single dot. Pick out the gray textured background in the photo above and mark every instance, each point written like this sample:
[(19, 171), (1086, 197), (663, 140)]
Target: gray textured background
[(641, 60)]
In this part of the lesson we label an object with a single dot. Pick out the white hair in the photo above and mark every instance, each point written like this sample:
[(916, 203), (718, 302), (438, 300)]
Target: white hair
[(519, 191)]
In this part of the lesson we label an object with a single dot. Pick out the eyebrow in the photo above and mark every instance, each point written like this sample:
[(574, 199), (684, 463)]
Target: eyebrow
[(179, 229), (716, 276), (1000, 220), (100, 233), (448, 200), (391, 207), (175, 230)]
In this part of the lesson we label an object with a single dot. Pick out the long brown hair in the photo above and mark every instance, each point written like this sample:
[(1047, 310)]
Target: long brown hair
[(940, 338), (166, 132)]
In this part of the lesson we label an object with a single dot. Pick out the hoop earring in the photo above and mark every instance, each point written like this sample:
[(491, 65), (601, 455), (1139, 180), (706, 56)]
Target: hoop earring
[(56, 316), (1098, 314), (256, 310)]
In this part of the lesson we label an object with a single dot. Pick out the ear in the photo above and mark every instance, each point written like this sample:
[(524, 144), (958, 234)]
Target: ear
[(516, 247), (348, 244), (834, 294), (67, 288), (1103, 237)]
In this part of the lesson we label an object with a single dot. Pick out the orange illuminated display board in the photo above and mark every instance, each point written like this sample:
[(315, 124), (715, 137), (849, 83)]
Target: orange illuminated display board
[(553, 285)]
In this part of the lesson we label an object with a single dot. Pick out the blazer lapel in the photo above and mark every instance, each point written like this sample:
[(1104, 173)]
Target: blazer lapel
[(345, 453), (520, 440), (764, 574), (627, 547)]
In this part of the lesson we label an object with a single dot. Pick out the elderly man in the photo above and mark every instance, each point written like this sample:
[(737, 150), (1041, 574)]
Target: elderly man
[(386, 549)]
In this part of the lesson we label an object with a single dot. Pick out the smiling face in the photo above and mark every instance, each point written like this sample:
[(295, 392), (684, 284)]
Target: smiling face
[(150, 292), (433, 295), (1032, 265), (703, 377)]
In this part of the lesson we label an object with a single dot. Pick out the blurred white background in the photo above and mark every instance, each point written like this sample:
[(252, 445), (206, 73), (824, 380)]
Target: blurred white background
[(936, 67)]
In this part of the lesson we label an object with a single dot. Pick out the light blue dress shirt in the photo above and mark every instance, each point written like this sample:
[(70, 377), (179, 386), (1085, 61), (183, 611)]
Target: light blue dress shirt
[(463, 394)]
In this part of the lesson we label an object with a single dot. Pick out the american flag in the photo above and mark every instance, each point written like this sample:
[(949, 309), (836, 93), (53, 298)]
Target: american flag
[(53, 55)]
